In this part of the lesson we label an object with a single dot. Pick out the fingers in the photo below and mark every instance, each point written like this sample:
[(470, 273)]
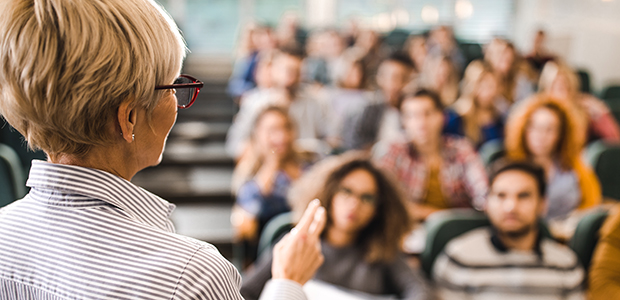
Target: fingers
[(307, 219), (318, 223)]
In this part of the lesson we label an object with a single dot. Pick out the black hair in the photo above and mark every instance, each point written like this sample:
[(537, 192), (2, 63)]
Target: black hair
[(424, 93), (530, 168), (292, 51), (401, 58)]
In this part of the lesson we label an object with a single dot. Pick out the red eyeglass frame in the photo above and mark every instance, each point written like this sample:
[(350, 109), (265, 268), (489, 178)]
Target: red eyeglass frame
[(197, 84)]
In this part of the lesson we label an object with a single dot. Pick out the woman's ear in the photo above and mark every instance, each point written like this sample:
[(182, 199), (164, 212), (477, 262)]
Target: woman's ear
[(126, 118)]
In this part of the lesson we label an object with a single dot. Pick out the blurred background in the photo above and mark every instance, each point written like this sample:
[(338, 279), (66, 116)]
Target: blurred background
[(196, 171)]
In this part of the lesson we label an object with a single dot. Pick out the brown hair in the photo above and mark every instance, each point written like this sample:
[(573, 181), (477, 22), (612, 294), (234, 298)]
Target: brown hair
[(572, 133), (250, 163), (382, 237), (470, 115)]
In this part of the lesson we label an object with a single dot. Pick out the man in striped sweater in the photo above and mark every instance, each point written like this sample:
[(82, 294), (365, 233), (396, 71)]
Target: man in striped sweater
[(510, 259)]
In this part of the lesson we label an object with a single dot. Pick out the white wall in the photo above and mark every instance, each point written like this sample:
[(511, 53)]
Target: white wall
[(584, 32)]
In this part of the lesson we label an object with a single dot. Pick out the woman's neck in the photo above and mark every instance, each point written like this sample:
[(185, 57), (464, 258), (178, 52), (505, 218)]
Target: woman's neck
[(339, 238), (103, 159)]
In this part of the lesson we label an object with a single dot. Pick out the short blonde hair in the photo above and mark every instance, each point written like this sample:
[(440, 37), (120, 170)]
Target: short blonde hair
[(66, 66)]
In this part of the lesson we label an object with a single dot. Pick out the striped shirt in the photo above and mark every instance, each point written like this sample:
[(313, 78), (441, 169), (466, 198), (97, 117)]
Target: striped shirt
[(86, 234), (477, 266)]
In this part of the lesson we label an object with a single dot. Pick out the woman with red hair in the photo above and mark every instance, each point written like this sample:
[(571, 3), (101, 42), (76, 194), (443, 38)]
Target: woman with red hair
[(547, 131)]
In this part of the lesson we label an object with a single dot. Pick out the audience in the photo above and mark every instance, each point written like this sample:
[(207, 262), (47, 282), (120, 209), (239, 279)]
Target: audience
[(380, 120), (306, 111), (511, 259), (547, 132), (442, 78), (366, 222), (481, 110), (262, 177), (443, 44), (604, 276), (256, 39), (349, 93), (515, 75), (560, 81), (437, 171)]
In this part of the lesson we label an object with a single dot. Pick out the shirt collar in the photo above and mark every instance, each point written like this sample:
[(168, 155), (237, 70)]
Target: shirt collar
[(134, 201), (499, 245)]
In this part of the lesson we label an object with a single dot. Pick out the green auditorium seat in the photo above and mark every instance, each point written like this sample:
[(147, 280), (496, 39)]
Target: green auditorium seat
[(584, 81), (273, 231), (605, 160), (446, 225), (586, 235), (611, 92), (11, 176)]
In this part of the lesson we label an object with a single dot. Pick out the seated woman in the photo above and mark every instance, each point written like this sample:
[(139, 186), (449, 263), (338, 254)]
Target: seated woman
[(515, 75), (546, 131), (560, 81), (438, 171), (262, 178), (361, 241), (481, 109)]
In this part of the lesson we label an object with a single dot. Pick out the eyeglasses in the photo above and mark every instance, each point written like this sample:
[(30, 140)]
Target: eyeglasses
[(187, 89), (365, 198)]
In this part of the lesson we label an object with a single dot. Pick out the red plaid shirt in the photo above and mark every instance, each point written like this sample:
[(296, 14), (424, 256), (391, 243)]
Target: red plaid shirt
[(464, 181)]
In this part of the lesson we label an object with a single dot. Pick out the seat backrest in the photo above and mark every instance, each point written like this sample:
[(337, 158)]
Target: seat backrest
[(586, 236), (610, 92), (584, 80), (491, 151), (274, 230), (445, 226), (605, 159), (11, 176)]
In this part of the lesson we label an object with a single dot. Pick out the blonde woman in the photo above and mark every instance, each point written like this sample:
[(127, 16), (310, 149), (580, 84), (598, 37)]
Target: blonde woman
[(560, 81), (96, 86)]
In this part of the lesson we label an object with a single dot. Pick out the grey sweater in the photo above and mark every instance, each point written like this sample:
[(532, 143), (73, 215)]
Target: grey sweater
[(346, 267)]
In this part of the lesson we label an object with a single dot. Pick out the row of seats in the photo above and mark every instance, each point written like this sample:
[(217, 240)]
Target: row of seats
[(447, 225)]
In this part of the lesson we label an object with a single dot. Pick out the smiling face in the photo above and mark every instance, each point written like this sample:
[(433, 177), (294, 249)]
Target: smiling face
[(354, 204), (514, 203), (543, 132)]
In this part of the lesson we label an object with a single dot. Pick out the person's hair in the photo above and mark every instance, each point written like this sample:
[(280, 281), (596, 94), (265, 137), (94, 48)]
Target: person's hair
[(450, 90), (400, 58), (551, 71), (572, 132), (293, 51), (381, 238), (344, 67), (530, 168), (66, 66), (250, 163), (426, 94), (471, 124)]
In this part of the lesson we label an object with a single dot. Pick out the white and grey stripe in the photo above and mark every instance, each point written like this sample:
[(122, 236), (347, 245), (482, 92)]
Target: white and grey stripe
[(87, 234)]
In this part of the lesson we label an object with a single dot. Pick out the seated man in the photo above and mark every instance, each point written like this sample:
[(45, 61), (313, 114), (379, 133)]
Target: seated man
[(437, 171), (511, 259)]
